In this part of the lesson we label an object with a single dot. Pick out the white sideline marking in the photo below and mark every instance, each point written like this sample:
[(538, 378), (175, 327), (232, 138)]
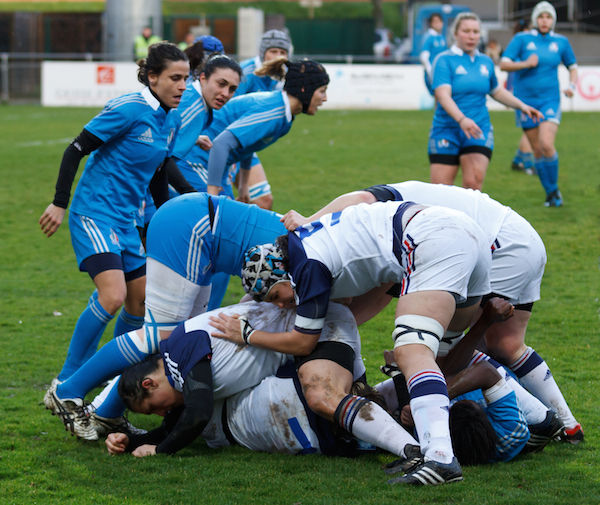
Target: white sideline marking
[(37, 143)]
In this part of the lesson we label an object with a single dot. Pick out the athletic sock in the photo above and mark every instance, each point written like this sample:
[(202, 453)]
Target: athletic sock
[(87, 334), (429, 406), (126, 323), (542, 171), (536, 377), (108, 403), (528, 161), (109, 361), (518, 157), (551, 164), (370, 423)]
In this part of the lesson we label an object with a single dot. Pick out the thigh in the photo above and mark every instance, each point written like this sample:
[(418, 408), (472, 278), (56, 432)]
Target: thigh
[(547, 133), (474, 167), (136, 290), (506, 340), (443, 149), (443, 174)]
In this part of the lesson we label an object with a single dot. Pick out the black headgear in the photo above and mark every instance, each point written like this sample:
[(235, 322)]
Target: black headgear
[(303, 78)]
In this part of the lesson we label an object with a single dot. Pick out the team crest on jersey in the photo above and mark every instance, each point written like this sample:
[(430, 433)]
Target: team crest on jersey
[(443, 143), (460, 70), (484, 71), (553, 47), (531, 46), (147, 136), (170, 137), (114, 237)]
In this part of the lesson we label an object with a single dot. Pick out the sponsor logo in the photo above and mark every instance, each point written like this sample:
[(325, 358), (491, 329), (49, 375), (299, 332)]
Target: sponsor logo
[(548, 375), (549, 112), (531, 46), (146, 136), (553, 47), (443, 143), (483, 70), (105, 74), (460, 70)]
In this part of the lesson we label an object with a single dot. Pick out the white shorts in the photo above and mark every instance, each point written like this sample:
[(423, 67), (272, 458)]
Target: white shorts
[(518, 261), (445, 250), (170, 297)]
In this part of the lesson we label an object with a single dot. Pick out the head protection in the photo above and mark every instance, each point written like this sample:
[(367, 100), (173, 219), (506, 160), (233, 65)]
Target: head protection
[(211, 44), (303, 78), (263, 268), (275, 38), (540, 8)]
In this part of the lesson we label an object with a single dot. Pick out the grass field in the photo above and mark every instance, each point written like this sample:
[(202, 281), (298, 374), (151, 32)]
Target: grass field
[(321, 158)]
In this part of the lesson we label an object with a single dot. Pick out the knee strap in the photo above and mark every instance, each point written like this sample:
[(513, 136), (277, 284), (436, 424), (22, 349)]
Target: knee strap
[(411, 329), (449, 340), (151, 342)]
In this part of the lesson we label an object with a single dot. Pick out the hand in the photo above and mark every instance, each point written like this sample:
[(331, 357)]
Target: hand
[(213, 190), (51, 219), (116, 443), (293, 220), (470, 128), (243, 193), (145, 450), (532, 61), (570, 91), (535, 114), (497, 310), (406, 417), (204, 142), (228, 326)]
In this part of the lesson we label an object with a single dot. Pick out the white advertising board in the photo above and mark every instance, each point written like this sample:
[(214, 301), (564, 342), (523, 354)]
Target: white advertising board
[(384, 87)]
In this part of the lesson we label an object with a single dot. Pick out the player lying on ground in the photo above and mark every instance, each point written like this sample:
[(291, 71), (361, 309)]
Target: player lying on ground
[(518, 260)]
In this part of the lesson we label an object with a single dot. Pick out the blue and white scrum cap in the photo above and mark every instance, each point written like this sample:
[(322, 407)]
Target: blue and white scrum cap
[(263, 268)]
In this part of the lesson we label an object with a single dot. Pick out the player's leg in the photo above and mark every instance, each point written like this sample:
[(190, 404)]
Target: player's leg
[(548, 130), (474, 167), (443, 149), (443, 174), (523, 160), (260, 189), (131, 316)]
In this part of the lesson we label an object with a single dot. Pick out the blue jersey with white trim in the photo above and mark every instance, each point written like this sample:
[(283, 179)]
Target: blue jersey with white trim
[(195, 116), (508, 421), (433, 42), (541, 81), (471, 79), (181, 352), (138, 135), (251, 82)]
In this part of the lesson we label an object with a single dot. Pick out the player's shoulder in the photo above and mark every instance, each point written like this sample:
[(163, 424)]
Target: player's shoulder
[(129, 102), (249, 66)]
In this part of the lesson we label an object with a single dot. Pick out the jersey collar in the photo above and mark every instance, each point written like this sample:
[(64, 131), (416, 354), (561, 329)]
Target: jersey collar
[(458, 51), (288, 109), (150, 98), (431, 31)]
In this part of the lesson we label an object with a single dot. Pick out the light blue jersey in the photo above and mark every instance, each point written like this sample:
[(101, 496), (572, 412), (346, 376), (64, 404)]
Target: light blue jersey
[(138, 135), (471, 79), (540, 82), (196, 243), (508, 421), (195, 117), (252, 83)]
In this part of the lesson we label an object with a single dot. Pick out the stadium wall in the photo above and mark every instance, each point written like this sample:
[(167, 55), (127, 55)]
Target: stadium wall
[(383, 87)]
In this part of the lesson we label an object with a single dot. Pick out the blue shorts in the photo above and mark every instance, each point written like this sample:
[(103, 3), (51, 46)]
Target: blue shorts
[(91, 236), (446, 144), (549, 108)]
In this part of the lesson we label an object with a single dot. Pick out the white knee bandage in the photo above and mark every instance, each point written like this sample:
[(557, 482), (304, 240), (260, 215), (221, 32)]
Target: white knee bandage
[(449, 340), (411, 329), (151, 341)]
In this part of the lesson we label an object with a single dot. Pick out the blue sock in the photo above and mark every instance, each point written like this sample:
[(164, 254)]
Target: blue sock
[(87, 334), (107, 363), (552, 170), (518, 157), (112, 406), (528, 160), (540, 167), (126, 323), (220, 281)]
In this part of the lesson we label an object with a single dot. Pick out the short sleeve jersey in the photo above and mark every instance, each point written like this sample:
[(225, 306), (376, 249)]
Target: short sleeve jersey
[(195, 117), (541, 81), (138, 135), (344, 254), (433, 42), (471, 78), (487, 213), (252, 83)]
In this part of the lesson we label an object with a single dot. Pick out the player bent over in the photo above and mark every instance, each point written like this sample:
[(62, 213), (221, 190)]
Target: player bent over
[(440, 258)]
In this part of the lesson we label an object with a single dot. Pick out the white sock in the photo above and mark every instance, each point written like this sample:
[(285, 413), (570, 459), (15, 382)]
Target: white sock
[(431, 417)]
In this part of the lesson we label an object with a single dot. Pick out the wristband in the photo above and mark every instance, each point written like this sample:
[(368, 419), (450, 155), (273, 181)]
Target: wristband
[(246, 329), (572, 86)]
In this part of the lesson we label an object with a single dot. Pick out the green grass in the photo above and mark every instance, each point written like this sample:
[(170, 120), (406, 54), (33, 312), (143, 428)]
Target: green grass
[(319, 159)]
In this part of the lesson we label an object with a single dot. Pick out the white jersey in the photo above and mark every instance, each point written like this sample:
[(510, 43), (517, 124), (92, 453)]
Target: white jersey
[(486, 212)]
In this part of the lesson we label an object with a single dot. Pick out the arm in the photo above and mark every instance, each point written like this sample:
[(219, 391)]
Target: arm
[(495, 310), (198, 400), (244, 179), (424, 57), (480, 376), (217, 161), (509, 65), (54, 214), (505, 97), (176, 178), (573, 78), (443, 95), (159, 187), (293, 219)]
